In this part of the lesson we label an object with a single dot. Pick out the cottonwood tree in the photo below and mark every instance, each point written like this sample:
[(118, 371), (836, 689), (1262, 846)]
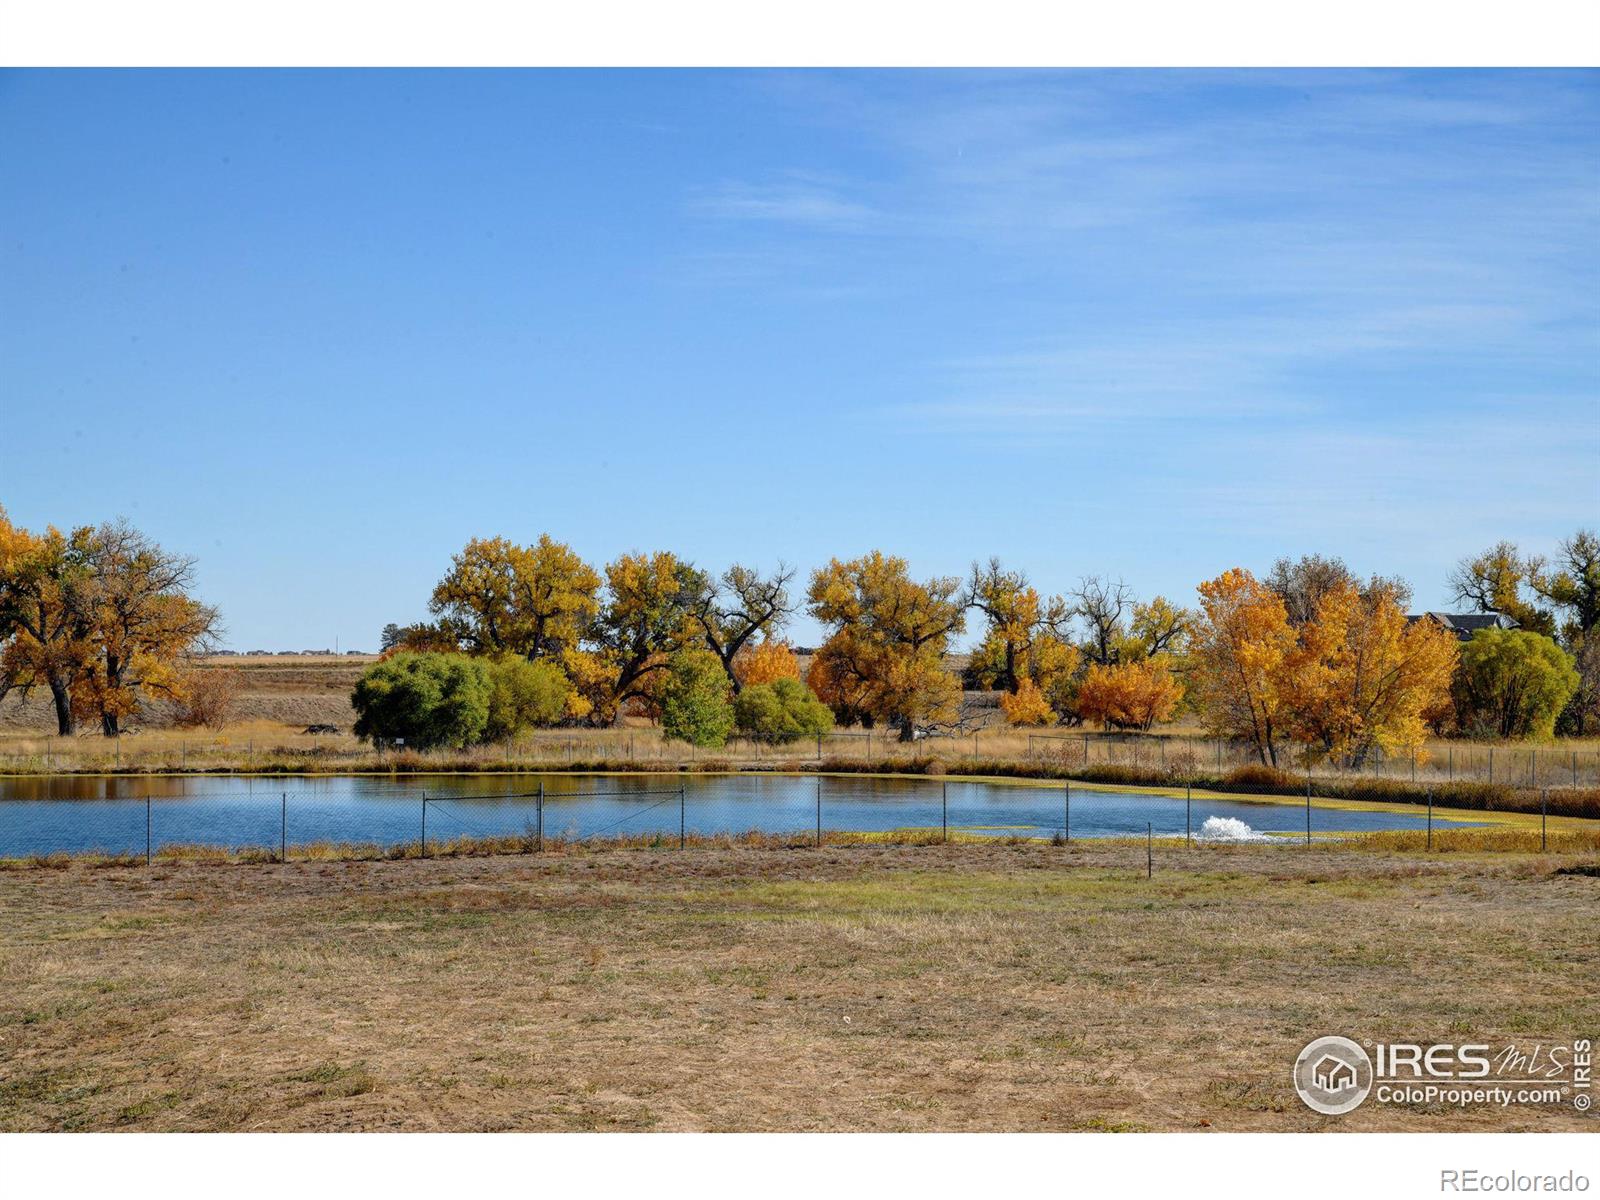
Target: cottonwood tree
[(1240, 643), (1498, 580), (1101, 604), (1362, 678), (141, 622), (1158, 629), (1572, 585), (1015, 618), (45, 584), (885, 655), (647, 615), (1303, 584), (1026, 650), (732, 610), (536, 601)]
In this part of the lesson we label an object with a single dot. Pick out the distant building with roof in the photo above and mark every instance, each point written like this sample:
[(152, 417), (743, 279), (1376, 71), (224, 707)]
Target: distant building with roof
[(1464, 625)]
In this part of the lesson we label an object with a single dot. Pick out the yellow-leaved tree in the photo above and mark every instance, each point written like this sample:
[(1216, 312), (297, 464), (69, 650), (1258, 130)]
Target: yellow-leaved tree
[(102, 617), (1362, 677), (142, 623), (1027, 705), (884, 659), (45, 583), (499, 597), (1024, 651), (1238, 646), (647, 614)]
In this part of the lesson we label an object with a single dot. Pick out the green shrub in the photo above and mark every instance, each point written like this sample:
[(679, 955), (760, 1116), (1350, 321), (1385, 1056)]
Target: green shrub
[(524, 695), (784, 710), (430, 700), (694, 699)]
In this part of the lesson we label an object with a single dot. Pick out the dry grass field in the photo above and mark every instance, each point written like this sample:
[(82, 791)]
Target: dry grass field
[(281, 695), (963, 987)]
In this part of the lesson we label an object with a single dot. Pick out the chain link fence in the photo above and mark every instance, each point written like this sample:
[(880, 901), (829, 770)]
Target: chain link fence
[(1549, 766)]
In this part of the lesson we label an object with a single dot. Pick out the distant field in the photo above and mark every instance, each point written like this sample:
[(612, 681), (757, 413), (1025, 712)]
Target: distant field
[(960, 987), (278, 692)]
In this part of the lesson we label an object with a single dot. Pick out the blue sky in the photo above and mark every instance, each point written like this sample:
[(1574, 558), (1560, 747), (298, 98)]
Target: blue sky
[(320, 328)]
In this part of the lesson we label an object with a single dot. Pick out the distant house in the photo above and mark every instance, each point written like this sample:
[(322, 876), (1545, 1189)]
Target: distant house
[(1464, 625)]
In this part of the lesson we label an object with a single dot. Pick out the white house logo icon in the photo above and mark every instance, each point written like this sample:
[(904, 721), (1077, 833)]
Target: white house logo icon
[(1333, 1075)]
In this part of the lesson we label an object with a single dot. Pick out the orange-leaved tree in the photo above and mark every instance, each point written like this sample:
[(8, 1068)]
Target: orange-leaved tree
[(1027, 705), (1130, 695), (763, 662), (1238, 647), (732, 610), (1363, 678)]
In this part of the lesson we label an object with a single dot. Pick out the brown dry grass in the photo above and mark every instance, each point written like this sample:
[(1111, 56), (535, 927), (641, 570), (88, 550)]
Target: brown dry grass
[(282, 694), (960, 987)]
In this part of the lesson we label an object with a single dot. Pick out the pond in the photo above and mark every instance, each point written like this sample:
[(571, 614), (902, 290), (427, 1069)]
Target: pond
[(116, 814)]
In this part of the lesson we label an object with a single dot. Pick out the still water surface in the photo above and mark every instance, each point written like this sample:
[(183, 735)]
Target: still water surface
[(43, 815)]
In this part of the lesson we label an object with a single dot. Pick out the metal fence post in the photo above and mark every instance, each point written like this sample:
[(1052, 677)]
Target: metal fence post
[(1544, 814), (283, 829), (819, 812), (1491, 764), (944, 809), (682, 805), (424, 853), (147, 827), (1066, 813), (539, 809), (1430, 818), (1308, 809), (1149, 850), (1188, 807)]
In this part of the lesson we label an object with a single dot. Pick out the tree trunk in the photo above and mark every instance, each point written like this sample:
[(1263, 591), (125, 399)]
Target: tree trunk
[(63, 702), (108, 724), (908, 730)]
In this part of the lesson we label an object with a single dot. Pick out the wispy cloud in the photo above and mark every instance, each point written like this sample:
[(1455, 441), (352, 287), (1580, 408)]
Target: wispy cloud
[(794, 201)]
